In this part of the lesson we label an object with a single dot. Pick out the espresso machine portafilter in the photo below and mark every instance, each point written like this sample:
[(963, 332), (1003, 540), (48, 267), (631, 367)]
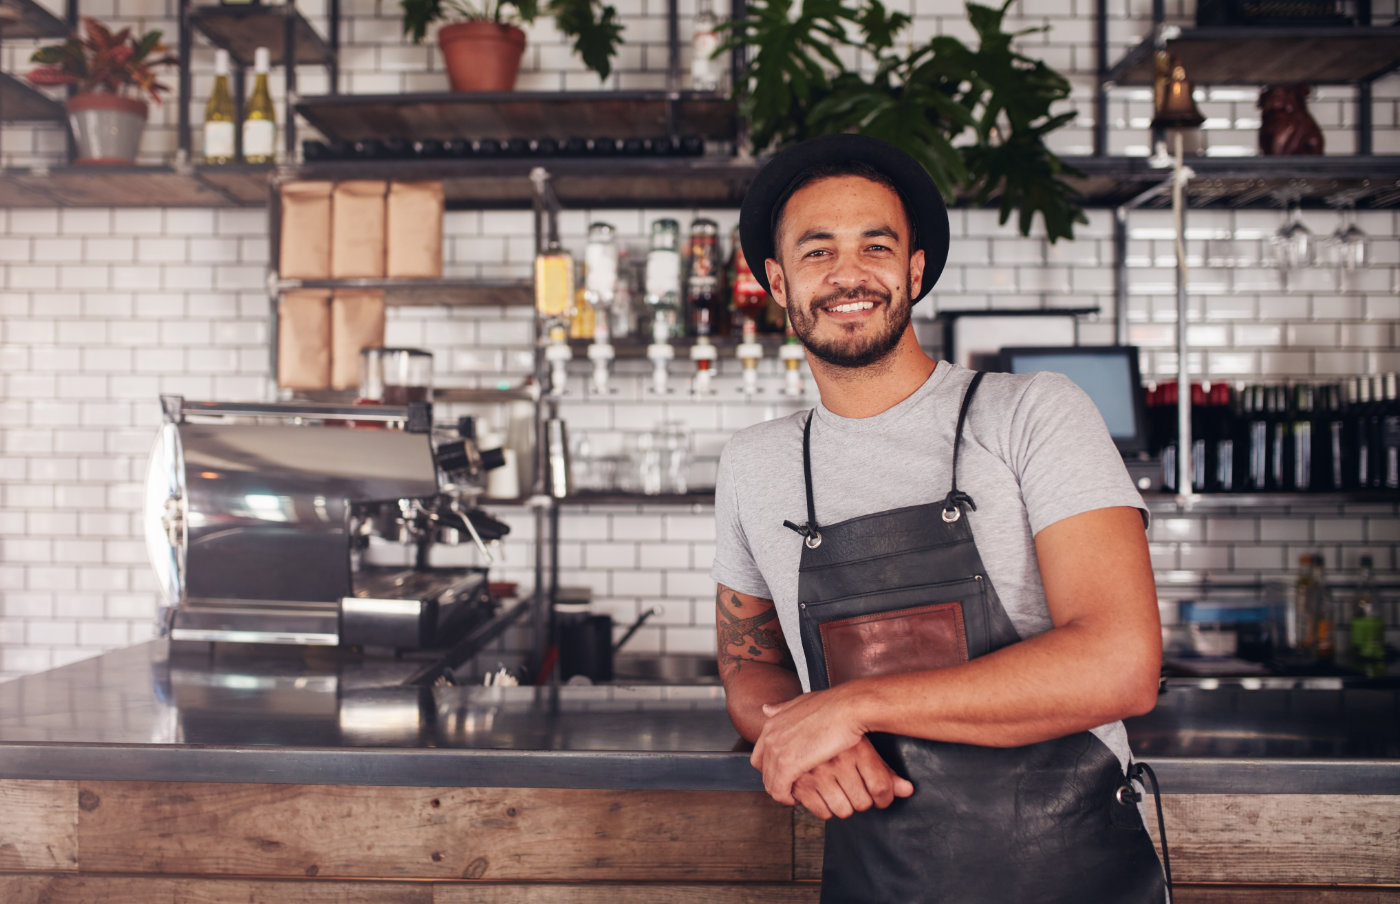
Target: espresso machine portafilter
[(265, 523)]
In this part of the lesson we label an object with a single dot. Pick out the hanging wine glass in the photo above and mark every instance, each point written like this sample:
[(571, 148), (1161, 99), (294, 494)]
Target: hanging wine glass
[(1349, 242), (1292, 245)]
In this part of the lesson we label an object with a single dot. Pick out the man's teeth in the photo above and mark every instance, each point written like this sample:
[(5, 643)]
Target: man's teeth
[(853, 306)]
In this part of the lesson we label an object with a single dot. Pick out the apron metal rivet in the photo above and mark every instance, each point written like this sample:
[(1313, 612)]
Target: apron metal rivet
[(813, 541), (951, 514)]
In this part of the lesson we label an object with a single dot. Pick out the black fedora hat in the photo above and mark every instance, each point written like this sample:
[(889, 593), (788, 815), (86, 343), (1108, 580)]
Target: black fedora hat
[(773, 184)]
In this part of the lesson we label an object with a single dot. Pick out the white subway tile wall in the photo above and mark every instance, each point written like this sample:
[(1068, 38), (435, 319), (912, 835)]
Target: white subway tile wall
[(103, 310)]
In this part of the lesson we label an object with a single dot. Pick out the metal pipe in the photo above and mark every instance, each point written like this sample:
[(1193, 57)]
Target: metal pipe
[(289, 70), (183, 84), (1120, 274), (1184, 488), (1101, 89)]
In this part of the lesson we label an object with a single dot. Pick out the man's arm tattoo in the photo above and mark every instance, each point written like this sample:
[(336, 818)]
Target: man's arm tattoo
[(743, 639)]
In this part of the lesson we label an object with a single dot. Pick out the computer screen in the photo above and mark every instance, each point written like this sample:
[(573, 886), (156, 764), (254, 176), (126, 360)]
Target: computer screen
[(1108, 373)]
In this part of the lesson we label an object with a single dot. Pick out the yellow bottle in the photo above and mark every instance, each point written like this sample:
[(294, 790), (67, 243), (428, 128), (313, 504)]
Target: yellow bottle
[(219, 115), (554, 282), (260, 119)]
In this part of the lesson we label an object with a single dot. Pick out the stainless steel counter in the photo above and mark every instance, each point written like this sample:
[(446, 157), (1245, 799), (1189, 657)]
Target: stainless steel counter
[(324, 717)]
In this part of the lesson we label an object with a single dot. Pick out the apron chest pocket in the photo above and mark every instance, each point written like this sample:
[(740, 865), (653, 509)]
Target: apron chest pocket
[(888, 632)]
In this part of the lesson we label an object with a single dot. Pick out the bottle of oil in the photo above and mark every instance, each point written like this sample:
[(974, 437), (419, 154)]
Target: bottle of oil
[(1367, 623), (260, 119)]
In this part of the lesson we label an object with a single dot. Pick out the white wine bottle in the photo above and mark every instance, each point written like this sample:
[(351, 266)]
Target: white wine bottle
[(219, 115), (260, 119)]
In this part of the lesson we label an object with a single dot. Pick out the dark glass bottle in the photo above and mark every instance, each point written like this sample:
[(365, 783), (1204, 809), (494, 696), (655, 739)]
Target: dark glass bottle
[(704, 297), (1300, 435), (1258, 440), (1390, 434), (1361, 417), (1224, 469), (1167, 396), (1349, 441), (1202, 440), (1329, 459)]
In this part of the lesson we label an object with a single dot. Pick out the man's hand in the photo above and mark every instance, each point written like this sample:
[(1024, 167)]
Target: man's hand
[(854, 780), (801, 734)]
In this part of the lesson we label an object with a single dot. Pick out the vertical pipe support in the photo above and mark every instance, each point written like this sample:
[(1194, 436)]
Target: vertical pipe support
[(1101, 86), (1120, 274), (289, 70), (183, 90), (333, 43)]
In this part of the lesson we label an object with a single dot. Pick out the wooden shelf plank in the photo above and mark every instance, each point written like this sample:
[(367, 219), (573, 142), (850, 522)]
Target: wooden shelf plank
[(616, 182), (1261, 56), (245, 184), (241, 30), (27, 19), (120, 186), (22, 102), (1242, 182), (520, 114), (699, 182), (423, 292)]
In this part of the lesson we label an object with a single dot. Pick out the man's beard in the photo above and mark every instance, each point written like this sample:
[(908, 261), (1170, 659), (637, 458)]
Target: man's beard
[(847, 350)]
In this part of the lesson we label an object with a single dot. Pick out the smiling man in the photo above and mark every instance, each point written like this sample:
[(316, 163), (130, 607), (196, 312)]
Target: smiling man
[(935, 601)]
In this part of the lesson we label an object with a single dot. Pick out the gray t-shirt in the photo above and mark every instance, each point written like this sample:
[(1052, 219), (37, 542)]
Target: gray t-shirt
[(1035, 450)]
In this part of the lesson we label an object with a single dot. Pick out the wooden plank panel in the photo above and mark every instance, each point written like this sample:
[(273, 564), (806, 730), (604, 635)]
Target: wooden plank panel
[(749, 893), (808, 843), (53, 889), (50, 889), (1274, 894), (1286, 838), (39, 829), (403, 832)]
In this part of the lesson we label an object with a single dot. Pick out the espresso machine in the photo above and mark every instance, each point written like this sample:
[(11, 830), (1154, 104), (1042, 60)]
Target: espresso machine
[(293, 523)]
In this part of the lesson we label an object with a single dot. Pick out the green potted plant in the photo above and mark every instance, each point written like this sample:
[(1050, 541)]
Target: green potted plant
[(482, 44), (107, 69), (977, 119)]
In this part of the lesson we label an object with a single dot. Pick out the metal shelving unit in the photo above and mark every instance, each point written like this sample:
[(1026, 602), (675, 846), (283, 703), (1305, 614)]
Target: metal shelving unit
[(241, 30)]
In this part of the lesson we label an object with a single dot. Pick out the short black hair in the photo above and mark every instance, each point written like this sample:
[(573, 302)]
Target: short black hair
[(832, 170)]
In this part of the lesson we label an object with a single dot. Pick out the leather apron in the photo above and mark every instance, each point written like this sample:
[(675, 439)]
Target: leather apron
[(906, 589)]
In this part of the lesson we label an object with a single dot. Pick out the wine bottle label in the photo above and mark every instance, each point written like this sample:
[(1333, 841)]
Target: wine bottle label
[(218, 140), (259, 138)]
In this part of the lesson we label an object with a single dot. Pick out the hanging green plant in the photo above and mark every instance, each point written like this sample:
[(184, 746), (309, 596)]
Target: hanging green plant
[(976, 119)]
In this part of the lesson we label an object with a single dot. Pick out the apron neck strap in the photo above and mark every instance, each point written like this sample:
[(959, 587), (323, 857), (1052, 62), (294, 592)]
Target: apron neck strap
[(956, 499), (809, 531)]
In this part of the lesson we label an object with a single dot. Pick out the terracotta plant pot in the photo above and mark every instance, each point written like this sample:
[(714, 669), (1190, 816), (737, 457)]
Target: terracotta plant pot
[(106, 127), (481, 56)]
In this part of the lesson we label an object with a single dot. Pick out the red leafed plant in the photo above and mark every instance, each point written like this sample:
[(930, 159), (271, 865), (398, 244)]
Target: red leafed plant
[(103, 62)]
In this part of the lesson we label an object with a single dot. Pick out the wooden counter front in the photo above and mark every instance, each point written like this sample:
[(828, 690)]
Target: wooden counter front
[(98, 842)]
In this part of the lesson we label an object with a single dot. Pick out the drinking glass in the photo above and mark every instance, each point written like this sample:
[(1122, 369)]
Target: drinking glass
[(1348, 245), (1293, 246)]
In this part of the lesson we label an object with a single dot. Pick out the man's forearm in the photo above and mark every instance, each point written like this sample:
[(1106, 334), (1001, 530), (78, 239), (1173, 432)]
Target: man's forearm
[(748, 685)]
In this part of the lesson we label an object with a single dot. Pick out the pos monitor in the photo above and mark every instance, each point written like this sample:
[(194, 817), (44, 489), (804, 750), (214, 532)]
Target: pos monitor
[(1108, 373)]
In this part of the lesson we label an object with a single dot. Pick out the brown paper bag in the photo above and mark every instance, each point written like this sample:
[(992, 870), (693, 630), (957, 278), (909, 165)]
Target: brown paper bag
[(415, 229), (306, 231), (357, 229), (357, 322), (304, 340)]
